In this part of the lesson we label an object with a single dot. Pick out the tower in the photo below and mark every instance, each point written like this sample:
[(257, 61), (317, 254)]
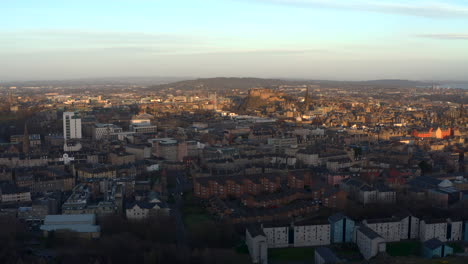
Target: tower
[(462, 110), (216, 101), (307, 100), (71, 126), (26, 142), (10, 100)]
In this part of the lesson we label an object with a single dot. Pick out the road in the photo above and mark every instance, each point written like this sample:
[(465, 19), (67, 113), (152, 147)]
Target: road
[(182, 185)]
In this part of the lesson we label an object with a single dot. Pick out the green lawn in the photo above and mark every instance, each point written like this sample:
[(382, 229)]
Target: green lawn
[(291, 254), (193, 209), (347, 251), (195, 216), (193, 220), (457, 248), (406, 248), (242, 249)]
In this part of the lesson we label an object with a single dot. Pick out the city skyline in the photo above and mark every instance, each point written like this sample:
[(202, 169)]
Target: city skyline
[(312, 39)]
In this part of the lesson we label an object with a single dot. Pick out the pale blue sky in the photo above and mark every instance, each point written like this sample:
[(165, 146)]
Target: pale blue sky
[(317, 39)]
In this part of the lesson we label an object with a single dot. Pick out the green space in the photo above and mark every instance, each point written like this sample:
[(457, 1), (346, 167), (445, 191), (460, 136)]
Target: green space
[(291, 254), (204, 231), (419, 260), (457, 248), (194, 220), (242, 249), (406, 248), (194, 214), (347, 251)]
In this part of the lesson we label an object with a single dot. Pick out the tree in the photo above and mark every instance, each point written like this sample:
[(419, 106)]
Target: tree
[(425, 167), (357, 152)]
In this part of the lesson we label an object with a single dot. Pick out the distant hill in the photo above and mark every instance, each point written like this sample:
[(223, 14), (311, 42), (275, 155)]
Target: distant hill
[(380, 83), (96, 81), (224, 83), (396, 82), (247, 83)]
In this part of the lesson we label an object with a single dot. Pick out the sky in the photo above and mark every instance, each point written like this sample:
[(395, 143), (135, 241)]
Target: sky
[(312, 39)]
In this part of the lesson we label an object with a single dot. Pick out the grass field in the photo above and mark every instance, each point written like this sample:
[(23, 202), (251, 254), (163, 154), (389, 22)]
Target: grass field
[(406, 248), (195, 215), (242, 249), (292, 254), (419, 260)]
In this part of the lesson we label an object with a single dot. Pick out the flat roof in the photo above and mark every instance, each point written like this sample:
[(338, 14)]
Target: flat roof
[(75, 228), (69, 218)]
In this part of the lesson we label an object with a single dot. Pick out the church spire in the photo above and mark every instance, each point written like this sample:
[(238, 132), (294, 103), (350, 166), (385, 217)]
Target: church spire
[(307, 100)]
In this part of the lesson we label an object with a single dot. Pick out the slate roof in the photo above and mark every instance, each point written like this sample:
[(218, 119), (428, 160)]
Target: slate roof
[(383, 220), (145, 205), (327, 255), (433, 243), (425, 182), (336, 217), (255, 230), (371, 234)]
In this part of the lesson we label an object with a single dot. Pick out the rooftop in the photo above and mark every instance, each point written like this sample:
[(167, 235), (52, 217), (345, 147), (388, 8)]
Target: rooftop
[(53, 219)]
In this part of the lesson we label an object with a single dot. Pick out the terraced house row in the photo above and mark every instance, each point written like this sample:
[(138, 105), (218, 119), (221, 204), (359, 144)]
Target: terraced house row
[(370, 235)]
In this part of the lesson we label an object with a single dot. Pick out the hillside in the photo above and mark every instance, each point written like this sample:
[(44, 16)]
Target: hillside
[(222, 83)]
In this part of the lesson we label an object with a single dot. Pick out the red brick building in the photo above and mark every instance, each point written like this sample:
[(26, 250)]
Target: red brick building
[(437, 133), (235, 186), (300, 179), (275, 200)]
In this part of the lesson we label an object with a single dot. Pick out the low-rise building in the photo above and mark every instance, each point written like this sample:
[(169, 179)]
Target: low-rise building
[(121, 158), (341, 228), (257, 244), (59, 183), (143, 210), (388, 228), (324, 255), (93, 171), (310, 234), (83, 225), (434, 248), (235, 186), (409, 227), (370, 243), (141, 151), (280, 144), (277, 235), (335, 165), (34, 139), (100, 131), (9, 193), (442, 229), (143, 128), (39, 209)]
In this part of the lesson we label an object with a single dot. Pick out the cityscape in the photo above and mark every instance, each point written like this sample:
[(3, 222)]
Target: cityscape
[(194, 161)]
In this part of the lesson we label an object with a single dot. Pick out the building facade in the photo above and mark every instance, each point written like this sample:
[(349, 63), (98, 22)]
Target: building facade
[(71, 126), (310, 235), (369, 242), (256, 242), (442, 229), (341, 228)]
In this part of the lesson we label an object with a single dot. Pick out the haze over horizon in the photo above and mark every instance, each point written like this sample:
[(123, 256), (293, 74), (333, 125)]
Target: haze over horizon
[(309, 39)]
